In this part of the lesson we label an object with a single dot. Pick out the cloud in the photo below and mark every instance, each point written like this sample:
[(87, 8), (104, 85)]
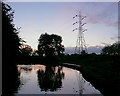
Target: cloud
[(114, 23), (114, 38), (96, 12), (91, 49), (106, 13), (105, 44)]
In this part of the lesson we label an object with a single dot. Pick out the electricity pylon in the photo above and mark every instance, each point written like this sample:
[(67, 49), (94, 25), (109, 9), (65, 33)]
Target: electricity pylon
[(80, 43)]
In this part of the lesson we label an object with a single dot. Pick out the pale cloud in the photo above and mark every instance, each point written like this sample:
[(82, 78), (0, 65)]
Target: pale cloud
[(104, 44), (114, 24), (105, 14), (115, 37), (91, 49), (96, 12)]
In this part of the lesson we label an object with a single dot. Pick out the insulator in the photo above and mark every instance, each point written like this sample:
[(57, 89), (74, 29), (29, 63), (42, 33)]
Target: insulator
[(84, 30), (83, 17), (75, 16), (75, 23), (83, 24)]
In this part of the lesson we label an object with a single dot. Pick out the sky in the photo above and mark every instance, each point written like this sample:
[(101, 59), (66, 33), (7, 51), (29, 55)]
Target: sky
[(36, 18)]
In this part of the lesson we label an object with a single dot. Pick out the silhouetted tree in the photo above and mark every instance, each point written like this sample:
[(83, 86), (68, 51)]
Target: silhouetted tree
[(26, 50), (10, 46), (83, 52), (113, 49), (50, 45), (35, 53), (10, 34)]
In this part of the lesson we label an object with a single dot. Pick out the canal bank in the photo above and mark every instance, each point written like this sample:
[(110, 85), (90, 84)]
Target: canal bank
[(103, 71)]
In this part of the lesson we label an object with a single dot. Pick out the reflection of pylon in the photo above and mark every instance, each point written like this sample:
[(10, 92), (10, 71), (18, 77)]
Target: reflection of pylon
[(81, 83), (80, 44)]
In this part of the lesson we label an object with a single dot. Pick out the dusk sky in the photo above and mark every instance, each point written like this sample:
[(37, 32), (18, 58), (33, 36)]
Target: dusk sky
[(56, 17)]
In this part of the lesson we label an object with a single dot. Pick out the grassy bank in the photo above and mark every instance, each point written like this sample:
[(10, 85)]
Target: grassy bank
[(102, 71)]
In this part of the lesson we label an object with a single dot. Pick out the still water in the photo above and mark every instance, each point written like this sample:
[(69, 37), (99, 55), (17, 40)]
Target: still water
[(41, 79)]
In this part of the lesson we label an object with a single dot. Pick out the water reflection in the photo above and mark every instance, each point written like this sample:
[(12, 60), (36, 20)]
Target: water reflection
[(25, 68), (40, 79), (50, 79)]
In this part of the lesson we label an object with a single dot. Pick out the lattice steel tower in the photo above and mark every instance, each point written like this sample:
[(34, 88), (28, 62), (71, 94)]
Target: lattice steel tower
[(80, 43)]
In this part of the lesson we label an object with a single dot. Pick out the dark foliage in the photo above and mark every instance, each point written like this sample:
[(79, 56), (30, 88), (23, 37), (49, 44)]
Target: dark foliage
[(26, 51), (10, 46), (10, 38), (113, 49), (50, 45)]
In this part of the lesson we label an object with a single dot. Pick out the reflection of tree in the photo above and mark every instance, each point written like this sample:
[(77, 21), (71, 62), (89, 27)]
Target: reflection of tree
[(51, 78), (26, 69)]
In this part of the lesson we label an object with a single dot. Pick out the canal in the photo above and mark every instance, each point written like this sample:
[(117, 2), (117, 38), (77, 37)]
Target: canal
[(41, 79)]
